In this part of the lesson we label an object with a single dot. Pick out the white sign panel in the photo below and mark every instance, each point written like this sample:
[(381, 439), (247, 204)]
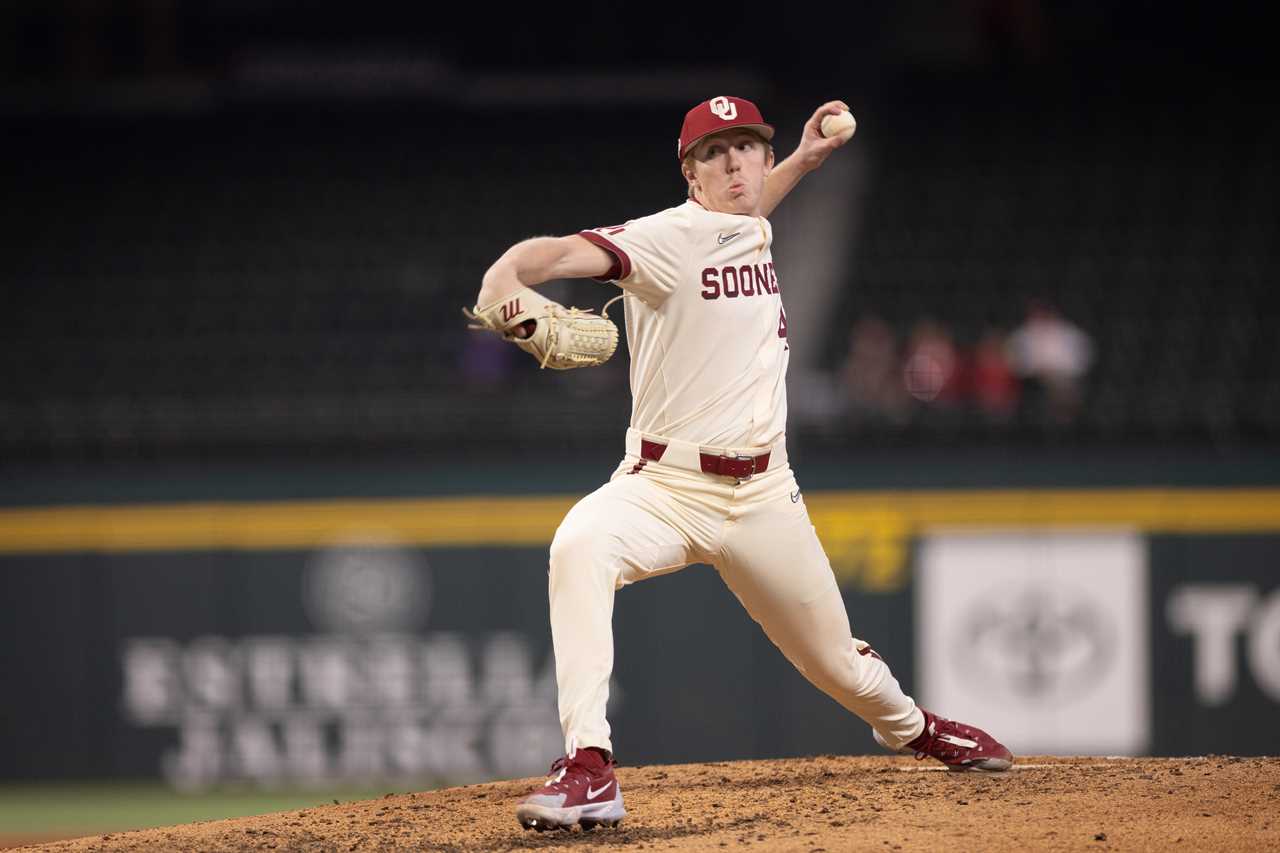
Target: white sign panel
[(1039, 638)]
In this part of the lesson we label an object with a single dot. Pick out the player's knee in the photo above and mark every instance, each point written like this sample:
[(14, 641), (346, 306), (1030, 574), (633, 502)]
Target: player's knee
[(579, 550)]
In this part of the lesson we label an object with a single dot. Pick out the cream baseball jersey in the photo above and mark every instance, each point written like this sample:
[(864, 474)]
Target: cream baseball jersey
[(707, 331)]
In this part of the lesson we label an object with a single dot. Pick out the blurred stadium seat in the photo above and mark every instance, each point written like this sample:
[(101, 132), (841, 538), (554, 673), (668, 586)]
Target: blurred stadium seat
[(259, 280)]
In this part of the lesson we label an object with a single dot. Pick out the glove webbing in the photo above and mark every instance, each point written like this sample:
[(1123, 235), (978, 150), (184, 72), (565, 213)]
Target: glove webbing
[(573, 312)]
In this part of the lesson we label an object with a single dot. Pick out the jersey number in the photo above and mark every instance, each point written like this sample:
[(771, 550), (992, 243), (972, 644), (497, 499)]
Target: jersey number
[(782, 322)]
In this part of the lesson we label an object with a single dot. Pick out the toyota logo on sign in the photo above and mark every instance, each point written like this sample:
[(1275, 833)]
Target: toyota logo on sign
[(1037, 645)]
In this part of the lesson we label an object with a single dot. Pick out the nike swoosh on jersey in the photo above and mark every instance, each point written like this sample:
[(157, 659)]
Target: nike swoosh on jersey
[(795, 498), (592, 793), (723, 239)]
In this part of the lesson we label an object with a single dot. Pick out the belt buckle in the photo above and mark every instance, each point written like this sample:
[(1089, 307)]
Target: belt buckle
[(738, 457)]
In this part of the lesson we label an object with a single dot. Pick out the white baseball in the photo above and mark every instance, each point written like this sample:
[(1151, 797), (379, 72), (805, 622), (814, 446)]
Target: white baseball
[(842, 124)]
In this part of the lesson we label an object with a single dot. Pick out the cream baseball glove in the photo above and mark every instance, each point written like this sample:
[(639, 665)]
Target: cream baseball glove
[(558, 337)]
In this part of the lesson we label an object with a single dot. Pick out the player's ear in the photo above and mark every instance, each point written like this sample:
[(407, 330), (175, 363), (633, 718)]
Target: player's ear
[(768, 160), (686, 169)]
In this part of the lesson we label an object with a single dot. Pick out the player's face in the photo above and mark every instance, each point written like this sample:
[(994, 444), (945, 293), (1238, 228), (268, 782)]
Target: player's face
[(728, 169)]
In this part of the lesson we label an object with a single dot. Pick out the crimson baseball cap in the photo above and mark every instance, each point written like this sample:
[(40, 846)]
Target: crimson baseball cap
[(720, 113)]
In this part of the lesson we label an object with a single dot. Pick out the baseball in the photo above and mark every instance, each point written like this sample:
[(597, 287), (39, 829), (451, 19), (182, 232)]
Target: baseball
[(842, 124)]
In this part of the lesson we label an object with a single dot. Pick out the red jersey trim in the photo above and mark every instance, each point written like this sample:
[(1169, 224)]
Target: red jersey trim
[(621, 262)]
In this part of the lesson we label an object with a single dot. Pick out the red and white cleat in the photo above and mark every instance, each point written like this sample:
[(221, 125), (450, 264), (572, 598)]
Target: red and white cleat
[(959, 746), (581, 790)]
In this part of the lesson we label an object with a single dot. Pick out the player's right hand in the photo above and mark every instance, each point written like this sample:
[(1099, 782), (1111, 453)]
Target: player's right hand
[(814, 148)]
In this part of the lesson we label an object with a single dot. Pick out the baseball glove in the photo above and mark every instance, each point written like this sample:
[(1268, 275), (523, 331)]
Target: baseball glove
[(558, 337)]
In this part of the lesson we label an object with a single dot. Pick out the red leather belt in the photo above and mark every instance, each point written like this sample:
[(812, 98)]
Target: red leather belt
[(737, 465)]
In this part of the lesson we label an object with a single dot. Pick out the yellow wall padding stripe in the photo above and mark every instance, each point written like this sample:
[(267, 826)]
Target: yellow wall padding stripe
[(451, 521), (478, 521), (1150, 510)]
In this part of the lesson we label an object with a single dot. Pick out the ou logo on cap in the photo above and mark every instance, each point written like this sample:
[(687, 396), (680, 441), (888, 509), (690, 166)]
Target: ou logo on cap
[(724, 108)]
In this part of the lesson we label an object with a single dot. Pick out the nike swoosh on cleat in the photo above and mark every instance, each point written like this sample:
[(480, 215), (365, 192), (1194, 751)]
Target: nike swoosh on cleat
[(592, 793), (723, 239)]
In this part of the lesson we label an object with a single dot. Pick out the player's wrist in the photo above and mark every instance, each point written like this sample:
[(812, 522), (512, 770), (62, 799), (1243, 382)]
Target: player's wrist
[(495, 288)]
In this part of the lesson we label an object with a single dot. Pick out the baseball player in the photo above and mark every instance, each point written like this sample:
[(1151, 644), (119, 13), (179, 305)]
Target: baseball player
[(705, 478)]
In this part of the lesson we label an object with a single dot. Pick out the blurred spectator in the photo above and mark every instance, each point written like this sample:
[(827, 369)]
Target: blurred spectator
[(1053, 355), (930, 372), (992, 382), (871, 375)]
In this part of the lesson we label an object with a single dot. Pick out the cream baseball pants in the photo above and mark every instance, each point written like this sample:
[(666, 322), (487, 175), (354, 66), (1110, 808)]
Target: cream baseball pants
[(653, 518)]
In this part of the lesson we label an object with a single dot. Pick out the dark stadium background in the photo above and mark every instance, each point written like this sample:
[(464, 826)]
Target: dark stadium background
[(236, 237)]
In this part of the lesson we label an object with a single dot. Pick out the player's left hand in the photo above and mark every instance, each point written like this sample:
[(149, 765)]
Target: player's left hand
[(558, 337), (814, 148)]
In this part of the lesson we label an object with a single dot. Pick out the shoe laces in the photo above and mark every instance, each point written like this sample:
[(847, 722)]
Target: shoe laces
[(561, 767), (558, 768)]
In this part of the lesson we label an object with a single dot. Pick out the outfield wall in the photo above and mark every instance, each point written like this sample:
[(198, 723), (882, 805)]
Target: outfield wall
[(322, 642)]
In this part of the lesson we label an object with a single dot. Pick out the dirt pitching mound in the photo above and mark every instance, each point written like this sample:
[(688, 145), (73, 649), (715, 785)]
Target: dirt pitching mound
[(826, 803)]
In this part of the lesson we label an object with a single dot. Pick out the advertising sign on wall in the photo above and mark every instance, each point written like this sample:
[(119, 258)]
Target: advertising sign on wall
[(1040, 637), (1216, 616), (368, 660), (367, 696), (338, 642)]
